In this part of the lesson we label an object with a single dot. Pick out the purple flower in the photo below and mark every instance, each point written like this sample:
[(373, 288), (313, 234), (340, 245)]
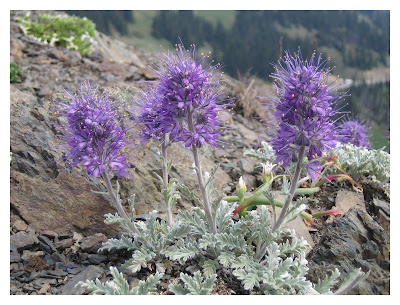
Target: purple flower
[(184, 101), (355, 132), (304, 110), (92, 133)]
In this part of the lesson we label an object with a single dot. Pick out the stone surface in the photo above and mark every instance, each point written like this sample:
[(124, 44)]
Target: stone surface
[(92, 243), (63, 244), (380, 205), (345, 200), (354, 241), (15, 257), (64, 204), (22, 240), (46, 244), (20, 225), (90, 273)]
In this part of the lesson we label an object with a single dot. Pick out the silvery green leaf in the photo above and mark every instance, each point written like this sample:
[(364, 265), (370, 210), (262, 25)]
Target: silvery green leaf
[(178, 289), (182, 254), (178, 231), (196, 285), (210, 267), (231, 241), (249, 279), (324, 286), (226, 258), (121, 285), (139, 259), (123, 243), (197, 222), (223, 216), (145, 287), (207, 240), (116, 219)]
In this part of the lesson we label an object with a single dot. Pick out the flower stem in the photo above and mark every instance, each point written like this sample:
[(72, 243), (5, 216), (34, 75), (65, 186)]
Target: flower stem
[(199, 172), (117, 204), (164, 168), (293, 187)]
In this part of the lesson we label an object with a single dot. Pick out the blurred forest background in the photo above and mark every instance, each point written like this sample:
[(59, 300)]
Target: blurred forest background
[(247, 42)]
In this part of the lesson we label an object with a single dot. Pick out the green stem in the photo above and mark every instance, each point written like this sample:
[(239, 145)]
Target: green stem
[(164, 168), (265, 201), (199, 173), (117, 204), (293, 187)]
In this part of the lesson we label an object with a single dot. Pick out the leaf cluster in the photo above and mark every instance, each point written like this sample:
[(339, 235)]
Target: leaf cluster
[(263, 259), (360, 161), (70, 32), (15, 73)]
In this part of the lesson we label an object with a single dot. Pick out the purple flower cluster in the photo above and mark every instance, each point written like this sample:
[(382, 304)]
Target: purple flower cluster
[(304, 110), (184, 102), (93, 133), (355, 132)]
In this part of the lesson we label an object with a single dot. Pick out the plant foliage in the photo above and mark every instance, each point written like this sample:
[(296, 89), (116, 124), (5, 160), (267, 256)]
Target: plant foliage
[(70, 32)]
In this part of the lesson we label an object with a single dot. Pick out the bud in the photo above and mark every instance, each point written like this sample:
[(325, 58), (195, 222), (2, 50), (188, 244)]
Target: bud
[(267, 174), (241, 189)]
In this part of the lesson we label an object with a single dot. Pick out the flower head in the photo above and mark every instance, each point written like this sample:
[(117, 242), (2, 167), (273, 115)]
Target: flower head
[(304, 110), (267, 174), (92, 132), (184, 102), (354, 131)]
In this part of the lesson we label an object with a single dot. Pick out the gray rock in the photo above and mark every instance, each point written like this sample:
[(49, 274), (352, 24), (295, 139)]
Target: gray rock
[(22, 240), (353, 241), (13, 289), (92, 243), (49, 260), (38, 283), (46, 244), (380, 205), (66, 266), (97, 259), (14, 257), (64, 243), (90, 273), (20, 225), (58, 274)]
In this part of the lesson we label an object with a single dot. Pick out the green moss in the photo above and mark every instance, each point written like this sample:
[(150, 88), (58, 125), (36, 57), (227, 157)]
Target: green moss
[(67, 31), (15, 73)]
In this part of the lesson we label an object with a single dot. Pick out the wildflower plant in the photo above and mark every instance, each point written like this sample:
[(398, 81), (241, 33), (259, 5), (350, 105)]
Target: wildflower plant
[(304, 113), (255, 248), (183, 108), (93, 136), (355, 132)]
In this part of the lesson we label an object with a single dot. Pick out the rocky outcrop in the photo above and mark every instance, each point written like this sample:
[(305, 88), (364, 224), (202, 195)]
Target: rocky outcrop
[(354, 241), (47, 196)]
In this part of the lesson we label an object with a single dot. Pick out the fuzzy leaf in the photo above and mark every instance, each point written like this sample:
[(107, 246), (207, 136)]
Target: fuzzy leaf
[(139, 259), (123, 243), (145, 287), (226, 258), (182, 254), (231, 241), (210, 267), (195, 285), (324, 286)]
